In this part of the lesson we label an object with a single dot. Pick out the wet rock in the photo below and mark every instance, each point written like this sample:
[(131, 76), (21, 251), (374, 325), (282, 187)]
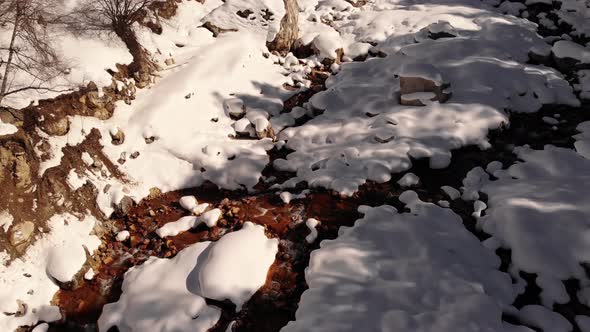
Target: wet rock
[(21, 233)]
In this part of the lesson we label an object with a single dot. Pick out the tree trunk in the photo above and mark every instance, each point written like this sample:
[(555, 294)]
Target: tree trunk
[(141, 67), (289, 30), (130, 39), (10, 53)]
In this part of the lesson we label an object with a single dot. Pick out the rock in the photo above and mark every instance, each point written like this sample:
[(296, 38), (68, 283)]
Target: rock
[(108, 260), (169, 62), (22, 308), (417, 80), (122, 158), (56, 126), (154, 192), (118, 137), (417, 99), (22, 172), (124, 206), (21, 233), (438, 30), (243, 127), (215, 29), (289, 29)]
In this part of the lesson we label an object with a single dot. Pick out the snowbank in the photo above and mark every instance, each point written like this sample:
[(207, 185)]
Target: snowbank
[(404, 272), (168, 295)]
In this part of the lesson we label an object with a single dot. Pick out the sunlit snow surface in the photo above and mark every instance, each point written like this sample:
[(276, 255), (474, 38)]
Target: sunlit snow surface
[(391, 271), (539, 210), (168, 295), (57, 255)]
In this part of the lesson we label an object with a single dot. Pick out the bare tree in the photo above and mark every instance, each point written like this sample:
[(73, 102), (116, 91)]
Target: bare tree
[(115, 16), (27, 60)]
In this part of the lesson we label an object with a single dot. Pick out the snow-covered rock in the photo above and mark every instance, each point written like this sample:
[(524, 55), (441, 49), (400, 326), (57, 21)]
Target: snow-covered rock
[(246, 253), (409, 180), (162, 295), (569, 55)]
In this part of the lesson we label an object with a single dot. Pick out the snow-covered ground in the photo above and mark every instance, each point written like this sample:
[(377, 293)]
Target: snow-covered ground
[(29, 283), (418, 271), (538, 209)]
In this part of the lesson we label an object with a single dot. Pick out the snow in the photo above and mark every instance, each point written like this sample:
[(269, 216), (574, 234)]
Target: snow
[(188, 202), (210, 217), (87, 159), (343, 148), (582, 144), (576, 14), (550, 120), (478, 208), (247, 253), (568, 49), (171, 304), (6, 220), (190, 148), (181, 225), (583, 85), (89, 274), (74, 180), (43, 327), (538, 209), (418, 271), (543, 318), (583, 323), (7, 128), (57, 254), (312, 223), (225, 17), (86, 56), (287, 197), (408, 180), (421, 70), (122, 236)]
